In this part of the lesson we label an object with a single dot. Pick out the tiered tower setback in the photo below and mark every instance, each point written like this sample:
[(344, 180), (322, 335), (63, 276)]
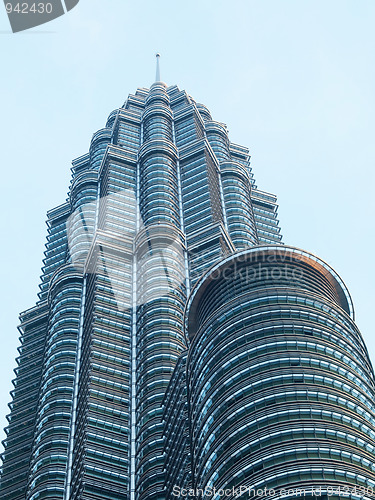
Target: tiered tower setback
[(161, 196), (176, 342)]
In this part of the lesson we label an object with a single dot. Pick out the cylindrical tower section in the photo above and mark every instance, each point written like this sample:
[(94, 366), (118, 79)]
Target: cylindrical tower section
[(48, 467), (157, 117), (157, 122), (98, 145), (158, 162), (161, 299), (239, 211), (204, 112), (217, 136), (81, 222), (161, 294), (159, 185), (281, 389), (111, 119)]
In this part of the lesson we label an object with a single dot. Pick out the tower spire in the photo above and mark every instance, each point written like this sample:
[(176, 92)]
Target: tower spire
[(157, 78)]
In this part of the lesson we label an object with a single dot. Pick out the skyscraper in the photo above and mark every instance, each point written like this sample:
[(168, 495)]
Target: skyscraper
[(280, 391), (116, 395)]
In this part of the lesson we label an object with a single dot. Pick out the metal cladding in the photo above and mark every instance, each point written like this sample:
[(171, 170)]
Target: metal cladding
[(168, 347), (281, 391), (161, 196)]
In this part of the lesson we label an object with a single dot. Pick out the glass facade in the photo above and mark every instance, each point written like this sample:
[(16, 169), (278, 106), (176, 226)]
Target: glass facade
[(281, 389), (114, 389)]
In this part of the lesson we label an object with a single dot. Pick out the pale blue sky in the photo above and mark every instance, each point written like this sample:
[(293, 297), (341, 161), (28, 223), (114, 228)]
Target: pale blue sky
[(294, 80)]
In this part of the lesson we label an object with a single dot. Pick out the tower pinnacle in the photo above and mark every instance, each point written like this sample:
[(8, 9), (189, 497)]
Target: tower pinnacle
[(157, 78)]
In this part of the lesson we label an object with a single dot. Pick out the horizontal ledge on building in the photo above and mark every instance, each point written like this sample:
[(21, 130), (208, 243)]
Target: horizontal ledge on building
[(157, 109), (158, 145), (257, 255), (161, 233)]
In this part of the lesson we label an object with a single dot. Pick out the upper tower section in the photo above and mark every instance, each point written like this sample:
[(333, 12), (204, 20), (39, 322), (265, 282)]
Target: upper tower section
[(182, 172)]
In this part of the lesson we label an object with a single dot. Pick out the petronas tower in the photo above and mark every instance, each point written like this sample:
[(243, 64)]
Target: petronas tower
[(177, 346)]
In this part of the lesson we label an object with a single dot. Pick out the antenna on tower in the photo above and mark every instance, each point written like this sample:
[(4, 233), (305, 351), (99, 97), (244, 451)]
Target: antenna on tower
[(157, 78)]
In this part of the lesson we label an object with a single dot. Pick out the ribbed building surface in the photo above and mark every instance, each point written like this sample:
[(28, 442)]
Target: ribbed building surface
[(160, 197), (281, 389), (124, 391)]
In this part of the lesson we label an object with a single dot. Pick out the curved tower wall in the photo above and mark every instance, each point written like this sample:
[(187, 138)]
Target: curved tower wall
[(81, 222), (281, 389), (161, 288), (25, 395), (52, 430), (151, 207), (240, 218), (101, 438)]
